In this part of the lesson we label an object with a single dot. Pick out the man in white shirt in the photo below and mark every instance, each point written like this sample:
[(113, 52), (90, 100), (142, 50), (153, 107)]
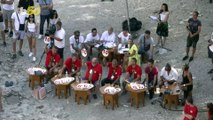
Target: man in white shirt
[(168, 75), (8, 9), (59, 40), (18, 30), (92, 40), (76, 42), (123, 37), (108, 38)]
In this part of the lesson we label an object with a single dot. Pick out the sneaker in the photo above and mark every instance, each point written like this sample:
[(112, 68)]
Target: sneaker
[(94, 96), (6, 31), (185, 58), (11, 34), (14, 56), (20, 53), (31, 54), (7, 84), (210, 71), (40, 36), (190, 59), (34, 59), (4, 44)]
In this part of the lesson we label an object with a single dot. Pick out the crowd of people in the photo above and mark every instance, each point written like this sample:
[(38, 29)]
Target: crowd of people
[(18, 23)]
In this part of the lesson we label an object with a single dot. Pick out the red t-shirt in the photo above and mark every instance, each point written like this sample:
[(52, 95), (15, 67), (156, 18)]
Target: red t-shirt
[(51, 58), (191, 110), (97, 70), (151, 73), (113, 73), (136, 70), (72, 65)]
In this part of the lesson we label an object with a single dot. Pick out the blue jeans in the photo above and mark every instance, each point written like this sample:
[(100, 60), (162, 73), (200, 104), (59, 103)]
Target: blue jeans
[(43, 18)]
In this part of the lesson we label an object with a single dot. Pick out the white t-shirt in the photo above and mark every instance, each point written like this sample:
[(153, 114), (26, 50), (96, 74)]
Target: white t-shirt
[(22, 16), (173, 75), (76, 43), (91, 38), (60, 34), (8, 7), (124, 39), (109, 40)]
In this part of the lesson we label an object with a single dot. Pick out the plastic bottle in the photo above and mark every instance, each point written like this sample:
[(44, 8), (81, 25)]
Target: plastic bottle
[(66, 74)]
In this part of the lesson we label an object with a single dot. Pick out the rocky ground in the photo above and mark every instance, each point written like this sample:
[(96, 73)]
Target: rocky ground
[(83, 15)]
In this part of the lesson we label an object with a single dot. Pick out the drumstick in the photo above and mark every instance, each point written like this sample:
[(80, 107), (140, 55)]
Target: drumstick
[(127, 81)]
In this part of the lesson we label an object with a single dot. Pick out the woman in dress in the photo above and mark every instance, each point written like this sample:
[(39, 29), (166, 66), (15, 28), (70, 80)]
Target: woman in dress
[(187, 84), (133, 51), (31, 30), (162, 28)]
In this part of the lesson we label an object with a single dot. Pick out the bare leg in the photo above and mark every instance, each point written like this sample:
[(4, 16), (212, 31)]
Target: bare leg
[(14, 46), (34, 46), (30, 43), (20, 44), (6, 24), (159, 41), (163, 41), (187, 51), (3, 36), (193, 51), (11, 27)]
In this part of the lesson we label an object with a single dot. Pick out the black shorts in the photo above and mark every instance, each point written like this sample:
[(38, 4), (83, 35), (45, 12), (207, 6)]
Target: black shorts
[(192, 42), (61, 52)]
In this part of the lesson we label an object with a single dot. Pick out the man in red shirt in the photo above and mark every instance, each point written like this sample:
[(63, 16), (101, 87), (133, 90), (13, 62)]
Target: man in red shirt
[(93, 74), (133, 74), (52, 60), (114, 73), (72, 66), (190, 110), (151, 77)]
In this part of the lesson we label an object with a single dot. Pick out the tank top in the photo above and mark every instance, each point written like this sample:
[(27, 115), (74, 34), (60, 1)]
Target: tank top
[(163, 15), (31, 27), (186, 81)]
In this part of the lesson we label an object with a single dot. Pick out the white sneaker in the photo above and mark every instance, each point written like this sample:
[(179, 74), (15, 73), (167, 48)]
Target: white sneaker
[(31, 54), (34, 59), (40, 36)]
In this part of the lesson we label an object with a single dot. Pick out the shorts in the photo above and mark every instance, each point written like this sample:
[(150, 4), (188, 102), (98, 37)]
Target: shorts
[(2, 26), (31, 34), (7, 14), (61, 52), (192, 42), (19, 36)]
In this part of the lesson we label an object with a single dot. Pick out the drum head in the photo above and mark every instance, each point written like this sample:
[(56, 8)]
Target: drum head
[(105, 53), (84, 52)]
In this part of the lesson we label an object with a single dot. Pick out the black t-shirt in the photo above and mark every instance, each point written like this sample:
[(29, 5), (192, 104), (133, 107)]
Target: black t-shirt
[(25, 3), (193, 25)]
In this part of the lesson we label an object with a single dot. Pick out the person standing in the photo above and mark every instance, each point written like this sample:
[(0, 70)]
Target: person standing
[(8, 9), (46, 6), (194, 28), (114, 73), (93, 74), (162, 28), (2, 27), (146, 43), (31, 30), (18, 18), (59, 40), (25, 3), (151, 77), (187, 84), (190, 110)]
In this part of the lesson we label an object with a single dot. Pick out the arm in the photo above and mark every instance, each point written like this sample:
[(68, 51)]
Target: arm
[(198, 32), (133, 53), (138, 78), (77, 70), (56, 38), (62, 70)]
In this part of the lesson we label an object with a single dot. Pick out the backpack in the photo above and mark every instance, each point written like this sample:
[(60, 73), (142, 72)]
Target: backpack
[(135, 25), (39, 93)]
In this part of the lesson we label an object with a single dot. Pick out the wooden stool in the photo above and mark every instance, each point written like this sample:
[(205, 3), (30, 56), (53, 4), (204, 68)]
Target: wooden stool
[(35, 78), (136, 97), (82, 95), (171, 99), (64, 88), (113, 99)]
